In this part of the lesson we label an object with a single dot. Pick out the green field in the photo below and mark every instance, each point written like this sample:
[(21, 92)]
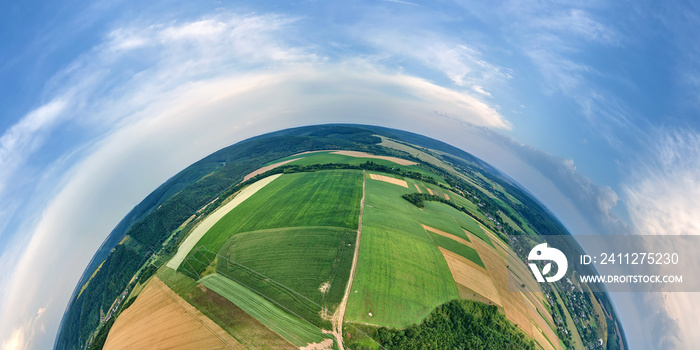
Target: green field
[(400, 278), (401, 275), (323, 198), (463, 220), (457, 247), (295, 330), (291, 265)]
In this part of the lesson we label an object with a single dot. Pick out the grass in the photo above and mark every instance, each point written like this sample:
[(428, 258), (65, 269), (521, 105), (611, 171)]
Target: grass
[(301, 259), (292, 328), (456, 247), (324, 198)]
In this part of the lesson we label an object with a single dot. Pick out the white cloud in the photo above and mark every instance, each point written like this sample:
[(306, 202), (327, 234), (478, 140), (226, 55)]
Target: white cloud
[(661, 197), (664, 191), (457, 59)]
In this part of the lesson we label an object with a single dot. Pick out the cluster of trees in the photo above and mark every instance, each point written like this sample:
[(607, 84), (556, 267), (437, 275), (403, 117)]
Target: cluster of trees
[(418, 200), (104, 288), (459, 324)]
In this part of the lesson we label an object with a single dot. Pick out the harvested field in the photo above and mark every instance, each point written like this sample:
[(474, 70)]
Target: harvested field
[(213, 218), (430, 191), (541, 327), (266, 168), (389, 179), (160, 319), (356, 154), (418, 188), (542, 340), (471, 275), (446, 196), (512, 303), (526, 304), (448, 235)]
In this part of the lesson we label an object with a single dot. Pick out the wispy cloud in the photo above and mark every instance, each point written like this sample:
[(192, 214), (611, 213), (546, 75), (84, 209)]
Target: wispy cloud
[(401, 2), (459, 60)]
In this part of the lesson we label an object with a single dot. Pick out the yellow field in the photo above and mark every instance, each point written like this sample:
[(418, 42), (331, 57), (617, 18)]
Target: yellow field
[(520, 308), (388, 179), (465, 272), (160, 319)]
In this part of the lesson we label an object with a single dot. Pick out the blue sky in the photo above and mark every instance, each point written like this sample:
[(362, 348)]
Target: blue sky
[(593, 108)]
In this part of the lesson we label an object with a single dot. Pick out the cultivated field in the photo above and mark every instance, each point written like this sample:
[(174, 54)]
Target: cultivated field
[(517, 307), (401, 274), (213, 218), (314, 262), (401, 277), (448, 235), (294, 329), (457, 248), (160, 319), (324, 198), (468, 274)]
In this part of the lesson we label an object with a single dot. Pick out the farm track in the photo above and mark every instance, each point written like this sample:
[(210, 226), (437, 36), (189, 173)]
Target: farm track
[(339, 315)]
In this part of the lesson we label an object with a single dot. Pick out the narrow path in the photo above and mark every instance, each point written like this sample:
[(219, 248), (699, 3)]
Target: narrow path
[(340, 312)]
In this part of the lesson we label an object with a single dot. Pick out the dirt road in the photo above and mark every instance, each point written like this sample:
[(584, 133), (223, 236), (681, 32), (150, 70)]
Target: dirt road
[(340, 312)]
